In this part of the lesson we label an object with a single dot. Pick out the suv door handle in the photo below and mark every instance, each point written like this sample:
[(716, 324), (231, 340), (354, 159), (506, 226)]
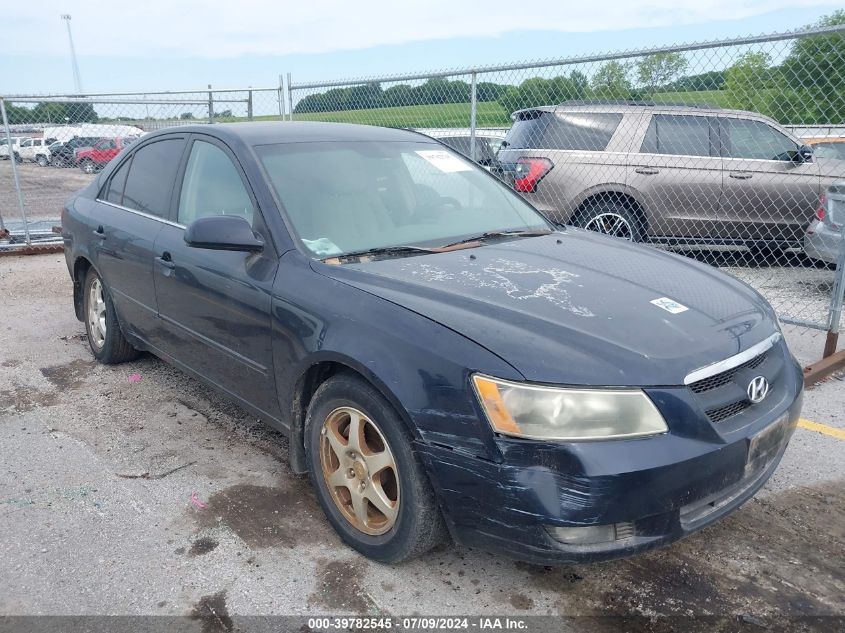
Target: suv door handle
[(99, 232), (648, 171), (740, 175), (166, 261)]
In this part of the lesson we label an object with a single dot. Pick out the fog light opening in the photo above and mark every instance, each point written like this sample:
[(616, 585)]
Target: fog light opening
[(591, 534)]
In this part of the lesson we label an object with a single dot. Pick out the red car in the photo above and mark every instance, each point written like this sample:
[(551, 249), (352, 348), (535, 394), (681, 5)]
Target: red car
[(93, 159)]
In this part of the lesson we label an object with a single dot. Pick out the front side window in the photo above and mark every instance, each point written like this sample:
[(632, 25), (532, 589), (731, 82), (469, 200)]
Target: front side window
[(349, 197), (212, 186), (27, 143), (151, 175), (680, 135), (756, 140)]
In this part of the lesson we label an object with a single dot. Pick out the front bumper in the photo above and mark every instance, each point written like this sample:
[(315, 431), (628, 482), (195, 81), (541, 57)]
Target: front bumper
[(661, 488), (822, 243)]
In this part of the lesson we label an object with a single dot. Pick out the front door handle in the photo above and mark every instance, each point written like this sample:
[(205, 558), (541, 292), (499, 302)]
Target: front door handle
[(100, 233), (648, 171), (166, 261), (740, 175)]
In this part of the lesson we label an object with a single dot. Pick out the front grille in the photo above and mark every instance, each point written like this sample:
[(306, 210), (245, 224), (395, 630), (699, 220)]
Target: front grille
[(727, 411), (719, 380)]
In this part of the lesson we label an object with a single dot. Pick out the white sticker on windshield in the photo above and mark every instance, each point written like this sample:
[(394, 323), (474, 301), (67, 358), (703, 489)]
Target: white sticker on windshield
[(669, 305), (444, 161)]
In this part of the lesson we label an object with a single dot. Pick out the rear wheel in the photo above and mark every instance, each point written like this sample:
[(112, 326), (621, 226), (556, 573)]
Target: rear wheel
[(88, 166), (42, 160), (368, 480), (18, 158), (105, 337), (611, 218)]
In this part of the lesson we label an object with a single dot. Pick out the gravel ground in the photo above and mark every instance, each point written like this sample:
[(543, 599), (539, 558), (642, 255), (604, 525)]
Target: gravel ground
[(96, 515)]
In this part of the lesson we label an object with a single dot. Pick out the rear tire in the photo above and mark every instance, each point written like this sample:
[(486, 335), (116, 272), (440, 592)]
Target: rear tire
[(382, 459), (611, 218), (105, 337), (42, 160), (18, 158)]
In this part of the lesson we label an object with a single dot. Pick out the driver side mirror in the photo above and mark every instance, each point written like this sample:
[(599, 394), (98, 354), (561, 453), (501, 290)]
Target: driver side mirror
[(804, 154), (223, 233)]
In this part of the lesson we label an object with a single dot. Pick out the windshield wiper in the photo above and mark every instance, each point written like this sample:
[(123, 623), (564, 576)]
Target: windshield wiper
[(382, 250), (494, 234)]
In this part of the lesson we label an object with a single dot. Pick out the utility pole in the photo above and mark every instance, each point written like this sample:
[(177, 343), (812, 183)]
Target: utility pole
[(77, 79)]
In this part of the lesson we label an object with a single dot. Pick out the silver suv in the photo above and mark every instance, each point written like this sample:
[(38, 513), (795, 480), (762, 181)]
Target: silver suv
[(667, 174)]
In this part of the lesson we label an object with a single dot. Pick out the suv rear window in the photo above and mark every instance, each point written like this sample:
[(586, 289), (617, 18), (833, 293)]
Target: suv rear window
[(584, 131), (681, 135)]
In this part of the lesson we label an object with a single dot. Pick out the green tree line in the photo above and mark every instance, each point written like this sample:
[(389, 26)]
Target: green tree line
[(807, 86)]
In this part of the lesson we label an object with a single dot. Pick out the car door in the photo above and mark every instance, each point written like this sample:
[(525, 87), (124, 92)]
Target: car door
[(677, 175), (215, 304), (769, 193), (25, 149), (131, 208)]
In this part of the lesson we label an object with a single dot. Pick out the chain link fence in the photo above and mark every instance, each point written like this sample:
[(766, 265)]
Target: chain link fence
[(720, 151)]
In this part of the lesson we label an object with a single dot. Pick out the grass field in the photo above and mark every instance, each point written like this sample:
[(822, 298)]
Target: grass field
[(456, 115)]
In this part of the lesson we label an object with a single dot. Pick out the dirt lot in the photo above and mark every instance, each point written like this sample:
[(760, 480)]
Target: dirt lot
[(97, 517)]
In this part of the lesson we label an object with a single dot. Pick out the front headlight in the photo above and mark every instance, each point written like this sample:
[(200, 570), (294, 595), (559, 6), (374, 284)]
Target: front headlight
[(557, 413)]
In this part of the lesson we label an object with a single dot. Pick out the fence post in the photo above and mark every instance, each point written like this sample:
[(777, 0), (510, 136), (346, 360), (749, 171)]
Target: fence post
[(835, 312), (281, 99), (290, 101), (473, 110), (249, 105), (14, 172), (210, 105)]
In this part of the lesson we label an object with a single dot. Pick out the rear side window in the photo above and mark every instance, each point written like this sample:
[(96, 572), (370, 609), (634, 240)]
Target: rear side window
[(114, 194), (582, 131), (681, 135), (151, 175)]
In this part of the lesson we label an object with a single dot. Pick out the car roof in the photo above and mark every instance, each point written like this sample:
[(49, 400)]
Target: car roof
[(633, 106), (272, 132)]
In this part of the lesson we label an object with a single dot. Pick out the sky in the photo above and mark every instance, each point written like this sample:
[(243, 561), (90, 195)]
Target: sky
[(187, 44)]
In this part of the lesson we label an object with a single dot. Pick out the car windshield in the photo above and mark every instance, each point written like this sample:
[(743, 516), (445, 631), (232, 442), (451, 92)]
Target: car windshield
[(349, 197)]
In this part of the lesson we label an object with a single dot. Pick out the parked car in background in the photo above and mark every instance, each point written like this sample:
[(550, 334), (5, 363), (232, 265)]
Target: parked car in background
[(823, 241), (438, 353), (36, 150), (669, 174), (485, 155), (827, 146), (64, 154), (5, 153), (94, 158)]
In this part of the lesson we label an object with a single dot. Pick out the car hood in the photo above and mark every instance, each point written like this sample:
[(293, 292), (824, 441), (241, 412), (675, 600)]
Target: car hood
[(575, 307)]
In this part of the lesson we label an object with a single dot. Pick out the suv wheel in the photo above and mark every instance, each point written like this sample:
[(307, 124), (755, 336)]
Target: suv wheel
[(42, 160), (88, 166), (368, 480), (18, 158), (611, 218)]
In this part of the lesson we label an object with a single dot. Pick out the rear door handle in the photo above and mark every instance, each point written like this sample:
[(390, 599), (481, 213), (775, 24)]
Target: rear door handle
[(100, 233), (166, 261), (648, 171), (740, 175)]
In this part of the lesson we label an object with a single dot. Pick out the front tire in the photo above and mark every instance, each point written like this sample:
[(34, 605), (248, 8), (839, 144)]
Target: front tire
[(105, 337), (368, 480), (611, 218), (88, 166), (42, 160)]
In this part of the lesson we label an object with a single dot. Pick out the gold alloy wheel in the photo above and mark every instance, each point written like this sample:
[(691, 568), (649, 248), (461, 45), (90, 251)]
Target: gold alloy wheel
[(359, 470)]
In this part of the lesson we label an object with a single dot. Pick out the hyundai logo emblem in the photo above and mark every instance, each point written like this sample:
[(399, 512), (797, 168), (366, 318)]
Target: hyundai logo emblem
[(758, 389)]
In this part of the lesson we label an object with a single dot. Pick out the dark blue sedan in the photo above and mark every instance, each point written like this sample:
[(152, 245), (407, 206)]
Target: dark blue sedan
[(445, 361)]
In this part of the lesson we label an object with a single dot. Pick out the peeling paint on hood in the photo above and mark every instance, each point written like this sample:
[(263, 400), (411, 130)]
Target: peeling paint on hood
[(575, 307)]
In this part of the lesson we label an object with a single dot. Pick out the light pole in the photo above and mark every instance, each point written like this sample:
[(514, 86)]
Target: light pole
[(77, 80)]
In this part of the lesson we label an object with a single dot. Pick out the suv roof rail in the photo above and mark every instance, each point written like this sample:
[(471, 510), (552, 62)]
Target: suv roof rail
[(638, 102)]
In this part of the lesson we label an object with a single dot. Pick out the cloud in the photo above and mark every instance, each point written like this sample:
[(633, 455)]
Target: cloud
[(229, 28)]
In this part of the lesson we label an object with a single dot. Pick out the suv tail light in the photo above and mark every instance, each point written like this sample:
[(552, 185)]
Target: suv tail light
[(820, 212), (529, 172)]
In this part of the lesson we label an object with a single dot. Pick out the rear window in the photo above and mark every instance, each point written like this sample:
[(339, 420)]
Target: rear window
[(583, 131)]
